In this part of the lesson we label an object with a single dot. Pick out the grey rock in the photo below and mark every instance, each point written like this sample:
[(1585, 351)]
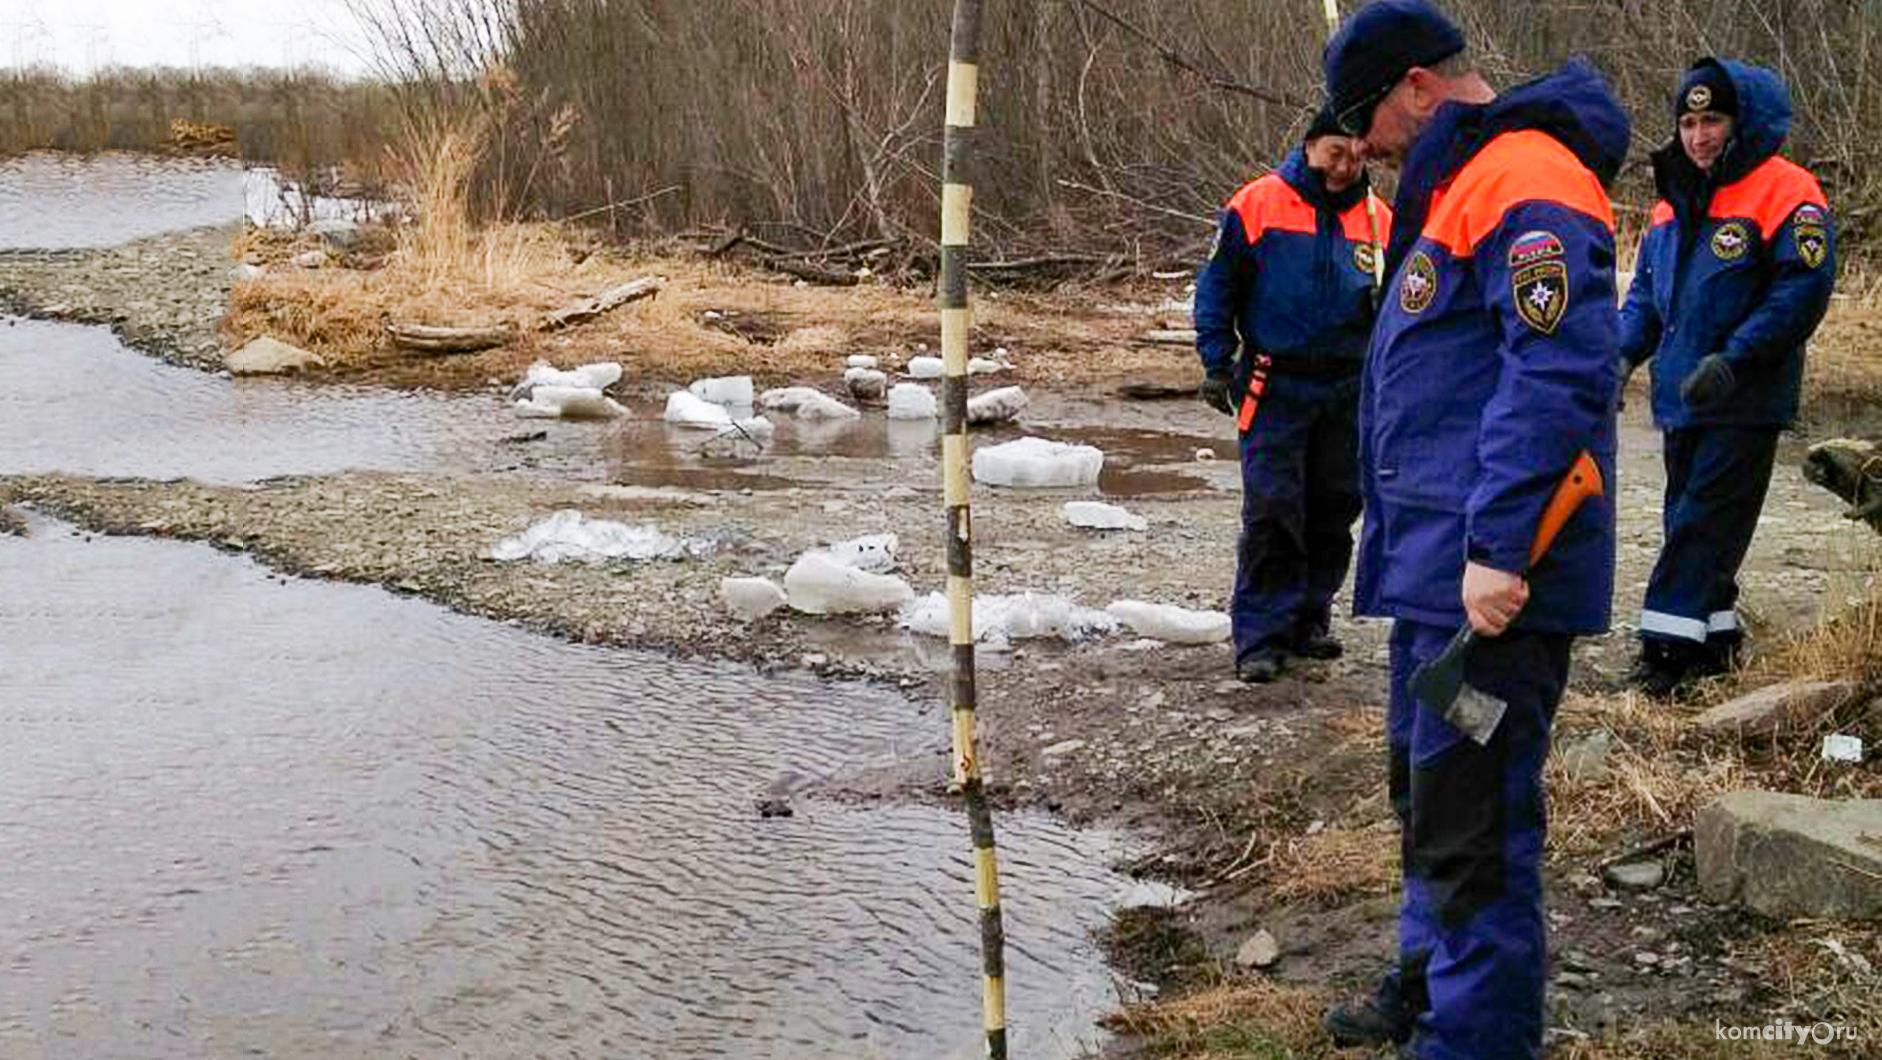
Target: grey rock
[(312, 259), (1791, 855), (245, 272), (1779, 708), (1063, 748), (1259, 951), (1637, 876), (336, 233), (1586, 760), (266, 356)]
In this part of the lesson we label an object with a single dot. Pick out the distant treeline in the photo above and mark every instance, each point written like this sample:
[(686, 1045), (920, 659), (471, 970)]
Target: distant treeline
[(825, 115), (1106, 125), (300, 121)]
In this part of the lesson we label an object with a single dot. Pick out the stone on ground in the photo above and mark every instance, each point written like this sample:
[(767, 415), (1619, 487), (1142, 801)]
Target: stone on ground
[(266, 356), (1779, 708), (1791, 855)]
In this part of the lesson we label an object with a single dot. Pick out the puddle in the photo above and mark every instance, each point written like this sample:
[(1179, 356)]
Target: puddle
[(60, 201), (249, 816), (75, 400)]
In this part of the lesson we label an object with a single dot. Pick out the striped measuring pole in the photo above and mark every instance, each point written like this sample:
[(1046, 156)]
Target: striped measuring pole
[(957, 196)]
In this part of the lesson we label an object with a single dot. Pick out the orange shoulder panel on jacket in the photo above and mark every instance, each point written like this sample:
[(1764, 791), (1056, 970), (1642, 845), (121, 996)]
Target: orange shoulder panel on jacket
[(1768, 195), (1356, 223), (1514, 168), (1271, 202), (1662, 213)]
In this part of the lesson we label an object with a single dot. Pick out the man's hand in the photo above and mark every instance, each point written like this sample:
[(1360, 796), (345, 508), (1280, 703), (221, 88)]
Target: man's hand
[(1216, 387), (1492, 598), (1711, 380)]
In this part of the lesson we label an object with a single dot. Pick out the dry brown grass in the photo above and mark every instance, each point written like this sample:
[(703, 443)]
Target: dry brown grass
[(1244, 1019)]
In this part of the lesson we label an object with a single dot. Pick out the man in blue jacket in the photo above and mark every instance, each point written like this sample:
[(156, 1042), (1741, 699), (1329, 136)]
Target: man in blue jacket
[(1493, 365), (1734, 275), (1290, 285)]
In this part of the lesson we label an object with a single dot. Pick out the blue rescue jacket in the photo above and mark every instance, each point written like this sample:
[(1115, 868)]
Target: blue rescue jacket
[(1494, 362), (1291, 273), (1738, 262)]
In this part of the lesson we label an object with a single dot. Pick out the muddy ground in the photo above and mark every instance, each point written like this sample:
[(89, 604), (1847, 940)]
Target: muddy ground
[(1233, 786)]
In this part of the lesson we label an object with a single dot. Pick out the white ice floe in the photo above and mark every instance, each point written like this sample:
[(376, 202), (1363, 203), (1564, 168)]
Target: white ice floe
[(598, 376), (805, 402), (1096, 515), (568, 403), (1019, 616), (569, 535), (996, 406), (860, 360), (911, 401), (1037, 462), (982, 366), (924, 367), (686, 409), (871, 552), (1167, 622), (733, 391), (821, 584), (749, 598)]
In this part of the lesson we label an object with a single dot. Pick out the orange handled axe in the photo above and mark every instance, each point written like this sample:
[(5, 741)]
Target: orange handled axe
[(1440, 682)]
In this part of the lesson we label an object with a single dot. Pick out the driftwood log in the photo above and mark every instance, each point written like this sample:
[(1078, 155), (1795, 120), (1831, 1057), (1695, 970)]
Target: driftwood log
[(425, 338), (809, 273), (611, 299), (1172, 337)]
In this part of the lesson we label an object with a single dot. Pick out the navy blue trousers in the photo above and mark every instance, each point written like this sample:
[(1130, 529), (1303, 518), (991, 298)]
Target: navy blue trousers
[(1471, 931), (1716, 478), (1300, 496)]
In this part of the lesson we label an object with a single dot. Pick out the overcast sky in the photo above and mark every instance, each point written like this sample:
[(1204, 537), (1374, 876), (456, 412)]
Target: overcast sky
[(82, 35)]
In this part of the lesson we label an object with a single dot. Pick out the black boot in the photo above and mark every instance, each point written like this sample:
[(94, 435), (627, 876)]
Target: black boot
[(1261, 666), (1386, 1018), (1318, 644), (1661, 670)]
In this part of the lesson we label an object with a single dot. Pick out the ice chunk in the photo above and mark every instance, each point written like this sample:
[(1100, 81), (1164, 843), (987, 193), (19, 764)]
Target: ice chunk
[(568, 403), (1167, 622), (820, 584), (1020, 616), (686, 409), (872, 552), (569, 535), (996, 406), (981, 366), (599, 376), (749, 598), (818, 405), (866, 384), (924, 367), (757, 427), (1037, 462), (1096, 515), (860, 360), (911, 401), (731, 390), (786, 399)]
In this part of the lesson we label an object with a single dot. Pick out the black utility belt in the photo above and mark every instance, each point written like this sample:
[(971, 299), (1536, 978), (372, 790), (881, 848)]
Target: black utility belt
[(1311, 367)]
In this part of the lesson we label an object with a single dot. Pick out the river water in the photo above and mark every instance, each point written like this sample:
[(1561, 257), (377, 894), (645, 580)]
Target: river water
[(246, 815)]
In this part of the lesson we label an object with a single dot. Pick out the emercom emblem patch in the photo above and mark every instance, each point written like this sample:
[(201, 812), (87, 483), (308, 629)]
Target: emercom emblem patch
[(1731, 241), (1812, 235), (1539, 280), (1418, 288)]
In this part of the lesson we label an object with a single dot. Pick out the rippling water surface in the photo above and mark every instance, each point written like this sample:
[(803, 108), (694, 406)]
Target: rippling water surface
[(54, 201), (247, 816)]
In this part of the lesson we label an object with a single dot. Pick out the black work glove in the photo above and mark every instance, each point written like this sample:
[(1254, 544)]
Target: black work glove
[(1710, 381), (1215, 392)]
